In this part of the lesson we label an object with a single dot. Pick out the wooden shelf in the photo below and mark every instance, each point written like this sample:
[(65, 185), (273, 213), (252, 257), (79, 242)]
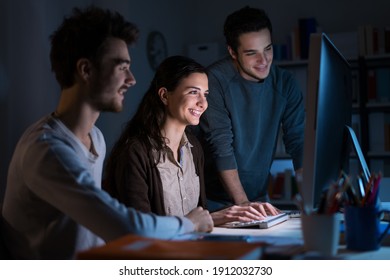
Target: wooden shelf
[(291, 63), (378, 106), (384, 154)]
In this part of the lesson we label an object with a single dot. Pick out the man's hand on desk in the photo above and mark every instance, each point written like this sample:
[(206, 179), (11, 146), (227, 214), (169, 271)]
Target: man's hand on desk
[(236, 213), (201, 219)]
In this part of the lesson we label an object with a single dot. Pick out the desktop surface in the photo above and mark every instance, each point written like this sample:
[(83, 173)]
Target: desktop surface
[(283, 241), (288, 235)]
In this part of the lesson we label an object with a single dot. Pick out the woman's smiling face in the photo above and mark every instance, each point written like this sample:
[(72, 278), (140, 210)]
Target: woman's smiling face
[(188, 101)]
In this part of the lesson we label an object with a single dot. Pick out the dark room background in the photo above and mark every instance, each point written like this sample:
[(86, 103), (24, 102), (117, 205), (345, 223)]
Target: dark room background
[(28, 89)]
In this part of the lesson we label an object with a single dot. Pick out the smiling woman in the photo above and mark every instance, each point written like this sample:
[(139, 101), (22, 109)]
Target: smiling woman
[(157, 165), (155, 140)]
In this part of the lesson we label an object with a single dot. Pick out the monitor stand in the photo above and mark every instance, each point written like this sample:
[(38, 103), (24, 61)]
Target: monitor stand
[(359, 153)]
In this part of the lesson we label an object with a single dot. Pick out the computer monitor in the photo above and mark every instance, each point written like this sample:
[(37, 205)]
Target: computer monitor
[(328, 111)]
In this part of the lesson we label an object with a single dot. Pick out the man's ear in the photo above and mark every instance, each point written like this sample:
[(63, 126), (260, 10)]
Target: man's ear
[(232, 52), (84, 68), (163, 93)]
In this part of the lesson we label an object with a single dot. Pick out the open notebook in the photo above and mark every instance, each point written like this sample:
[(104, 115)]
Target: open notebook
[(265, 223)]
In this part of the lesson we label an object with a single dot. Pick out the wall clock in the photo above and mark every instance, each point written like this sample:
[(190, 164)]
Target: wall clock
[(156, 49)]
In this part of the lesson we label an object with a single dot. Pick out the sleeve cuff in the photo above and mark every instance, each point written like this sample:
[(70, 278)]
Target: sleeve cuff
[(188, 226), (226, 163)]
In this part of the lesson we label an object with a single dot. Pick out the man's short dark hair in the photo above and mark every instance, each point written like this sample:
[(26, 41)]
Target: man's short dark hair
[(243, 21), (82, 35)]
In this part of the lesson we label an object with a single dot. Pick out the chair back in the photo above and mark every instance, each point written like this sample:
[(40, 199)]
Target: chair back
[(4, 253)]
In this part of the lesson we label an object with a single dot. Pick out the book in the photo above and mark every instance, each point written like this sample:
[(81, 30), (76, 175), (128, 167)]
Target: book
[(362, 40), (278, 186), (287, 188), (133, 247), (373, 40), (347, 43), (377, 121), (383, 84), (294, 45), (387, 39), (387, 136), (355, 87), (369, 33), (307, 26), (371, 86)]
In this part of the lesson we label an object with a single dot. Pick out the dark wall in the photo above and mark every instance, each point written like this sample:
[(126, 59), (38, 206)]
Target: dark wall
[(28, 89)]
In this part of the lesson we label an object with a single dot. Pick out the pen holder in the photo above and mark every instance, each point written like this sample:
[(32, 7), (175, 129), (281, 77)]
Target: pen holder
[(362, 228), (321, 233)]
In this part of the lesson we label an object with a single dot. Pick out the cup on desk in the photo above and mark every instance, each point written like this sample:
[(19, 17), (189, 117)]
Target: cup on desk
[(321, 233), (362, 228)]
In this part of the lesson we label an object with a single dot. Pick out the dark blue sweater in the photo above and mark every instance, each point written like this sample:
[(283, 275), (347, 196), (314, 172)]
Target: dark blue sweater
[(241, 125)]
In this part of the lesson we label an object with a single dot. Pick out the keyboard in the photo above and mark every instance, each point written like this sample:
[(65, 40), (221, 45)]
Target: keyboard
[(293, 213), (268, 222)]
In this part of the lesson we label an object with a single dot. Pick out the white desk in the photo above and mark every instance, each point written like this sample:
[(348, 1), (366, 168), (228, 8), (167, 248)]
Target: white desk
[(290, 233)]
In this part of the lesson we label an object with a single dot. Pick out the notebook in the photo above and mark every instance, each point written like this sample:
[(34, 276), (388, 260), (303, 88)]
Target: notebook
[(268, 222)]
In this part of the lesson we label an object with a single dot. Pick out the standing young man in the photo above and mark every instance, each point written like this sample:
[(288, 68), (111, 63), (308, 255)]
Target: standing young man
[(54, 205), (250, 99)]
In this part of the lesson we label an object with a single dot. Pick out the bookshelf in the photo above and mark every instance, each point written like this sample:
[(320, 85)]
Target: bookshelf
[(299, 70), (370, 116), (367, 49), (285, 189), (282, 185), (375, 111)]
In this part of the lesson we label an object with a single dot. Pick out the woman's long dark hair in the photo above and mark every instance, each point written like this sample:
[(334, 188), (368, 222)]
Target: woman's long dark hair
[(151, 114)]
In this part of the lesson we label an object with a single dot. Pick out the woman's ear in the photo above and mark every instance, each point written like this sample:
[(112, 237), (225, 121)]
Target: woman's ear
[(84, 68), (163, 93)]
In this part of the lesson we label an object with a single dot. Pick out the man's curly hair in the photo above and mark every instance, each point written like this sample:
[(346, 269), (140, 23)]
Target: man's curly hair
[(82, 35)]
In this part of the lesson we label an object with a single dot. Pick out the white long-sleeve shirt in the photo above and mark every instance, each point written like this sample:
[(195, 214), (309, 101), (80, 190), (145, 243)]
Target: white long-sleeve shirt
[(54, 206)]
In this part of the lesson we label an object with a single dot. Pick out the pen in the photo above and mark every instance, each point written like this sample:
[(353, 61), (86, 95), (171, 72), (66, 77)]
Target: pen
[(375, 191), (334, 203), (367, 190), (361, 186), (351, 194), (323, 201)]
